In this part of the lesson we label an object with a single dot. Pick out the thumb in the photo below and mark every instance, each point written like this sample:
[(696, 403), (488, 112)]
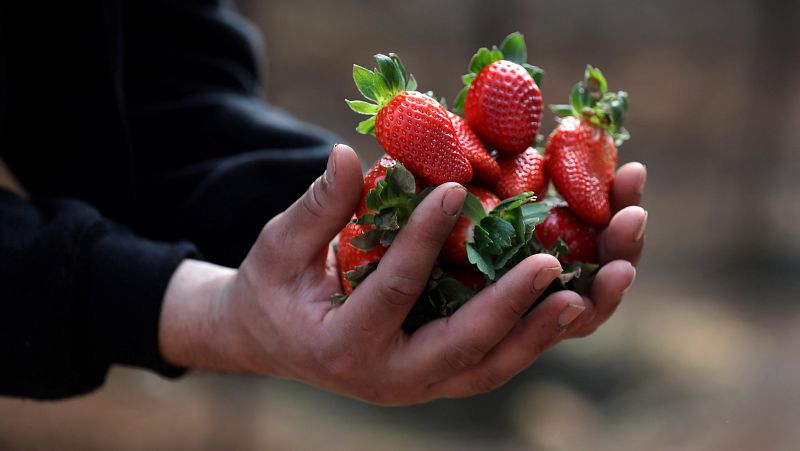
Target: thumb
[(303, 231)]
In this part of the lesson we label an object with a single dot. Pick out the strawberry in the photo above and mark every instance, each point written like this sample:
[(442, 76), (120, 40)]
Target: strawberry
[(375, 174), (522, 173), (411, 127), (468, 275), (355, 263), (454, 249), (502, 101), (578, 240), (496, 240), (581, 152), (484, 167)]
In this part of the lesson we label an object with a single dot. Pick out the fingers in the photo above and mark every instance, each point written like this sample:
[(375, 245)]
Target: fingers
[(628, 186), (539, 330), (303, 231), (610, 283), (383, 300), (623, 239), (443, 348)]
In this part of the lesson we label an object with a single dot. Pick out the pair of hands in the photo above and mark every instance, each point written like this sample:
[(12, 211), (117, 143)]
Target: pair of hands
[(273, 315)]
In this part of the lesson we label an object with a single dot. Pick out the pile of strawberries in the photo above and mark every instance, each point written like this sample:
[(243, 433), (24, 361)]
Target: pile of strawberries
[(494, 150)]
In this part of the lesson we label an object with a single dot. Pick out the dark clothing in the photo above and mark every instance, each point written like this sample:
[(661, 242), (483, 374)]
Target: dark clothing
[(137, 129)]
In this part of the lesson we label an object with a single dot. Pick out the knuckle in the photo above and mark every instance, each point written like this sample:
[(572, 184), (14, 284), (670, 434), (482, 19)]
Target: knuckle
[(399, 290), (517, 307), (312, 200), (463, 356)]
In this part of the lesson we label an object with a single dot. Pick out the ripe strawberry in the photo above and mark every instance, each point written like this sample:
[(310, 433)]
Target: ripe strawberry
[(579, 238), (454, 249), (467, 275), (354, 263), (502, 101), (522, 173), (484, 168), (581, 154), (410, 126), (375, 174)]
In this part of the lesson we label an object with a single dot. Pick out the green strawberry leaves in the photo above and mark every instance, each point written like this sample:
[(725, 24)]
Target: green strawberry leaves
[(380, 86), (393, 199), (442, 296), (511, 49), (501, 238), (591, 100)]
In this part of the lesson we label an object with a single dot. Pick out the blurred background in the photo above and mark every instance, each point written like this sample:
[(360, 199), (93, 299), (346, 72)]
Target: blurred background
[(704, 352)]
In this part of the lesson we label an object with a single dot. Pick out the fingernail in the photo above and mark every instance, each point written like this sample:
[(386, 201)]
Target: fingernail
[(633, 278), (569, 314), (330, 171), (545, 276), (642, 227), (453, 200), (642, 181)]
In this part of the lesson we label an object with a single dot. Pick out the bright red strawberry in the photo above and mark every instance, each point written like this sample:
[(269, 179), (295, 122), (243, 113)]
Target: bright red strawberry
[(504, 106), (581, 154), (579, 237), (502, 101), (484, 168), (351, 258), (522, 173), (454, 249), (411, 127)]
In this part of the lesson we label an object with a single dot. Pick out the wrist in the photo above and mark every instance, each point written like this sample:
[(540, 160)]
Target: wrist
[(194, 329)]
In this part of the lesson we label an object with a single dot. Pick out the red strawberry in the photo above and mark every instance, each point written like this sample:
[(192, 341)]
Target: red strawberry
[(375, 174), (351, 258), (411, 127), (580, 238), (522, 173), (581, 153), (484, 167), (454, 249), (504, 106), (468, 275)]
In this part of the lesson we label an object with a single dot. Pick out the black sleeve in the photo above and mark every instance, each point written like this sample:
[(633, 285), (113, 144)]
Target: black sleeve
[(210, 162), (216, 161), (82, 293)]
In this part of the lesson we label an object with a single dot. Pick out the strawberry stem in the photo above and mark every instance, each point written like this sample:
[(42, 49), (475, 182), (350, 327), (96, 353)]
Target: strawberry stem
[(591, 100), (380, 86)]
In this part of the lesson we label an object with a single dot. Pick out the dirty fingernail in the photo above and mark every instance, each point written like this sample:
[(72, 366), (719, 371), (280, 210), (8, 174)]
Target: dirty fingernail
[(545, 276), (453, 200), (642, 227), (569, 314), (642, 181), (330, 171)]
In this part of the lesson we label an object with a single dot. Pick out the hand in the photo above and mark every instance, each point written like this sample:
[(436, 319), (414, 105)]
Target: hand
[(273, 316), (620, 247)]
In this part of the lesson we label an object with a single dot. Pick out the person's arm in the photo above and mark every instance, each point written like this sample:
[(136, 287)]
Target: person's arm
[(79, 293), (215, 160), (273, 315)]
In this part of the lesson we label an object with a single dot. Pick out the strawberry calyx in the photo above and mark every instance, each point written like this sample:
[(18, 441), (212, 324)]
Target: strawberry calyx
[(443, 295), (354, 276), (591, 100), (511, 49), (501, 238), (380, 86), (392, 201)]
